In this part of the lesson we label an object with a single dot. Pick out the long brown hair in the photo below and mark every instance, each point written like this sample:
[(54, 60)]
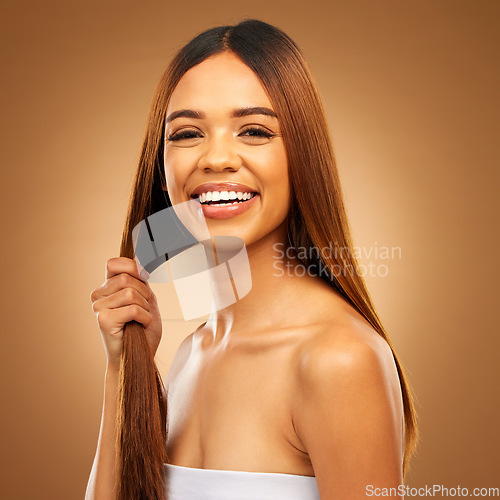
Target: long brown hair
[(317, 220)]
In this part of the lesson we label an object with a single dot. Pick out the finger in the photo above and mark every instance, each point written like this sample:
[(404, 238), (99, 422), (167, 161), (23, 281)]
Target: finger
[(142, 272), (124, 280), (123, 297), (119, 282), (118, 265), (114, 319)]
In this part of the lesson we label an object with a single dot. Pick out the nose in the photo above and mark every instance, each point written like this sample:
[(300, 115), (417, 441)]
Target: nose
[(219, 155)]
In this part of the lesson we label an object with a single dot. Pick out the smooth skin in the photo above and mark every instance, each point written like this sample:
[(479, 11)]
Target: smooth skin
[(289, 379)]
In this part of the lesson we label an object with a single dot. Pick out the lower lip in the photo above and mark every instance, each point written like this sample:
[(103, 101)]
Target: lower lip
[(227, 211)]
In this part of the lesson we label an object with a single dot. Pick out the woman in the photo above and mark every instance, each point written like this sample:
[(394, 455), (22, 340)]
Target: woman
[(294, 391)]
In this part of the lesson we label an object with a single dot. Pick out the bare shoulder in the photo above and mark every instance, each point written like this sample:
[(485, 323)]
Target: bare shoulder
[(348, 408), (343, 344), (346, 349)]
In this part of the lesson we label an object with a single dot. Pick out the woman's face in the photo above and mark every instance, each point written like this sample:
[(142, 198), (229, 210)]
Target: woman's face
[(223, 146)]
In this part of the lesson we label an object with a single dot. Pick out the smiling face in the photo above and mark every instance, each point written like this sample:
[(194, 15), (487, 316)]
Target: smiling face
[(223, 147)]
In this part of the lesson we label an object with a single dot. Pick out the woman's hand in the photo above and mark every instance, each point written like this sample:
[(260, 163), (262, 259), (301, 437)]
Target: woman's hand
[(124, 297)]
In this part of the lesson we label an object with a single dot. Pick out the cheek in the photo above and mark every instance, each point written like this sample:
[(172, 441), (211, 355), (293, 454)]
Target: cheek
[(273, 166), (276, 181), (176, 173), (278, 174)]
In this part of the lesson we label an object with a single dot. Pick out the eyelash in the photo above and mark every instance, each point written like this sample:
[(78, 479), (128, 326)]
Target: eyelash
[(192, 134)]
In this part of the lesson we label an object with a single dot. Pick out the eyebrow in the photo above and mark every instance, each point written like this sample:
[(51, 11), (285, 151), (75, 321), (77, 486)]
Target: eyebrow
[(237, 113), (259, 110)]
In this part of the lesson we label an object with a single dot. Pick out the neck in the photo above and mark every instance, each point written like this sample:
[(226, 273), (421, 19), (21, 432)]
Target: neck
[(276, 291)]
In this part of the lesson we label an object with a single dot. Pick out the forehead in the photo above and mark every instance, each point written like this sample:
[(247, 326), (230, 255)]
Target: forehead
[(221, 81)]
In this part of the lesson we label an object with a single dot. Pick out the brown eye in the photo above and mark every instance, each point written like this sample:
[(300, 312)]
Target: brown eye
[(184, 135), (257, 135)]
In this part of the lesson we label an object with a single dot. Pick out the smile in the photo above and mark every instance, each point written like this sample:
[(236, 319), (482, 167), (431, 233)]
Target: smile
[(218, 208), (224, 197), (229, 200)]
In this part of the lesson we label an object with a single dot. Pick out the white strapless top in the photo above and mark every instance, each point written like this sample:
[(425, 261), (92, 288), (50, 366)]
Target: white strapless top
[(188, 483)]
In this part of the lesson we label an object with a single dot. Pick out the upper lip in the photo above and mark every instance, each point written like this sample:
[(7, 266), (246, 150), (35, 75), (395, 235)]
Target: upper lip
[(222, 186)]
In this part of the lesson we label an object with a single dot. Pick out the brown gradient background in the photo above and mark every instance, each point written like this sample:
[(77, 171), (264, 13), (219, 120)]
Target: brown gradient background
[(408, 87)]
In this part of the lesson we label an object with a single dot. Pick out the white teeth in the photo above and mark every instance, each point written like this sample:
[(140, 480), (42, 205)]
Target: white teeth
[(224, 195)]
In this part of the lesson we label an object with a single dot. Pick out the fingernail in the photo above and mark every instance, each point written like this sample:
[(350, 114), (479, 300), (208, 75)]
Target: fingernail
[(144, 274)]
